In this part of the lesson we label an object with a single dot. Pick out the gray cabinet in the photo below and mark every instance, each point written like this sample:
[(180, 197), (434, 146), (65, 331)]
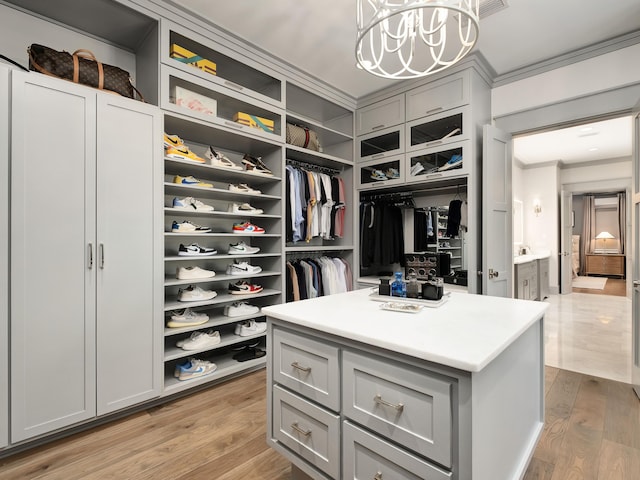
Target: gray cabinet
[(4, 255), (543, 278), (82, 266), (379, 115), (526, 280)]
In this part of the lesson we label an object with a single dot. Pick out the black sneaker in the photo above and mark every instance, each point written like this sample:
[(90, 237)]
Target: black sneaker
[(195, 250)]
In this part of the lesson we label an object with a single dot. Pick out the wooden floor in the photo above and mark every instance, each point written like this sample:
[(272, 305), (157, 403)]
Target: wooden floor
[(592, 431), (614, 286)]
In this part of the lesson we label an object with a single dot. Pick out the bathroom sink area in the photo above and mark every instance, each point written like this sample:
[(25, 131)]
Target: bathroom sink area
[(530, 257)]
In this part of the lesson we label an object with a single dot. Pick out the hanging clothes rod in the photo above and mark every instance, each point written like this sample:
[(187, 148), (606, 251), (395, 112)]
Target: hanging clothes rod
[(313, 167)]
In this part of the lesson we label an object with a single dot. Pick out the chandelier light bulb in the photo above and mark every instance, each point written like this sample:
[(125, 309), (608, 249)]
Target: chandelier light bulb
[(403, 39)]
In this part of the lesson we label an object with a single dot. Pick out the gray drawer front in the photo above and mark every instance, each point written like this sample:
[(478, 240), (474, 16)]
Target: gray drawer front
[(401, 402), (307, 367), (308, 430), (366, 456)]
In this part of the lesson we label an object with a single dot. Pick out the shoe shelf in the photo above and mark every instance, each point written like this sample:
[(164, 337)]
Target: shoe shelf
[(246, 77), (301, 154), (223, 102), (215, 320), (178, 212), (381, 144), (222, 235), (172, 281), (435, 162), (439, 129), (171, 302), (227, 339), (296, 247), (386, 172), (226, 367), (217, 256), (175, 190), (218, 175)]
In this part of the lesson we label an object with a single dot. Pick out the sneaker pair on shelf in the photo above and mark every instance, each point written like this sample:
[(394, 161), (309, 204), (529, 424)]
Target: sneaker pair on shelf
[(244, 208), (195, 294), (454, 162), (191, 204), (243, 287), (175, 148), (247, 228), (194, 368), (199, 340), (191, 181), (243, 268), (255, 165), (193, 273), (219, 159), (195, 250), (187, 318), (250, 327), (416, 169), (242, 248), (239, 309), (243, 188), (188, 227)]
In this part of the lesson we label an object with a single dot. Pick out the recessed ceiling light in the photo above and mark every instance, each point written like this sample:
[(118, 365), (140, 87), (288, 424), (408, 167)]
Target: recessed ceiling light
[(586, 129), (594, 149)]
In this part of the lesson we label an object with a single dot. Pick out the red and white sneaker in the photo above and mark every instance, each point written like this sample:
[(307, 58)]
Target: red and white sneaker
[(243, 288), (247, 227)]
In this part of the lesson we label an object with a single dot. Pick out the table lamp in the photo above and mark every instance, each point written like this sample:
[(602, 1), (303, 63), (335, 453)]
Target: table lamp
[(604, 236)]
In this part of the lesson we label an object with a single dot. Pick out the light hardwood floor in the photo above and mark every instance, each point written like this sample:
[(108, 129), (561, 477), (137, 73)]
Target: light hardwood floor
[(592, 432)]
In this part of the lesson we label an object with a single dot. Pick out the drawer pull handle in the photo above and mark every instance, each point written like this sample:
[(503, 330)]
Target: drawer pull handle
[(378, 399), (377, 127), (377, 155), (306, 433), (377, 476), (434, 110), (297, 366), (233, 124), (434, 142), (233, 85)]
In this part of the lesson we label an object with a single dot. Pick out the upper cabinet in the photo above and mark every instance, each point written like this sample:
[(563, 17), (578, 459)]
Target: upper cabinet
[(197, 55), (437, 96), (384, 114)]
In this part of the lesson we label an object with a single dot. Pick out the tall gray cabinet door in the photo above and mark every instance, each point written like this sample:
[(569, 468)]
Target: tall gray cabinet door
[(129, 274), (4, 258), (52, 236)]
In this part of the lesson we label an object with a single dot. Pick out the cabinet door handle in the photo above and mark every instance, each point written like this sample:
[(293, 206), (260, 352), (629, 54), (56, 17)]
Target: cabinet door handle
[(233, 85), (398, 406), (377, 476), (377, 127), (306, 433), (297, 366), (377, 155), (90, 252), (233, 124), (433, 110), (102, 255), (434, 142)]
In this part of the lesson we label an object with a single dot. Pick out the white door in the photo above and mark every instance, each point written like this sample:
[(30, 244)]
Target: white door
[(635, 259), (497, 216), (4, 258), (566, 232)]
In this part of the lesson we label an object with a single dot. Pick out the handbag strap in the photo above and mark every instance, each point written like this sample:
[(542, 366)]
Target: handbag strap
[(87, 54)]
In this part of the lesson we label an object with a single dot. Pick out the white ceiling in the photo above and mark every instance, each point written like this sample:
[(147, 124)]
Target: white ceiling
[(318, 37)]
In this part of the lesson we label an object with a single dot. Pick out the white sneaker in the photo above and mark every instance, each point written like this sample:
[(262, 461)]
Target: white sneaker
[(188, 227), (219, 159), (243, 188), (195, 294), (191, 204), (242, 248), (244, 208), (239, 309), (242, 268), (416, 169), (189, 273), (199, 340), (193, 368), (250, 327), (195, 250), (187, 318)]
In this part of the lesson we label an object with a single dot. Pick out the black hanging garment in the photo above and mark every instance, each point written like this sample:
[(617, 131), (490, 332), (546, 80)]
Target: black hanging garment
[(455, 214)]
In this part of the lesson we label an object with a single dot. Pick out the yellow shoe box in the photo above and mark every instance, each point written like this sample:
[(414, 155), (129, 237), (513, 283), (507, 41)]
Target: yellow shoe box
[(188, 57), (254, 121)]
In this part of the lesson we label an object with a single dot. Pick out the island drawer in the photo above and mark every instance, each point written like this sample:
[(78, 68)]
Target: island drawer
[(307, 367), (308, 430), (407, 405), (366, 456)]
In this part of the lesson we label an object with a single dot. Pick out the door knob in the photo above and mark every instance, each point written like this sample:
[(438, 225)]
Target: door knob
[(636, 283), (493, 273)]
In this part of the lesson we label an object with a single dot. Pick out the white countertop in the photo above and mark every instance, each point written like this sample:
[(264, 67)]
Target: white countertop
[(467, 332), (530, 257)]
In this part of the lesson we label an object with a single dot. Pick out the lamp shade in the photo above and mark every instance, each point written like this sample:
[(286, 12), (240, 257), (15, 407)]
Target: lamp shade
[(604, 235)]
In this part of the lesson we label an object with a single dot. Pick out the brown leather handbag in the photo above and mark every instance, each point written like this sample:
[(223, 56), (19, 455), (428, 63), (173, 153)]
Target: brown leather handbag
[(81, 67)]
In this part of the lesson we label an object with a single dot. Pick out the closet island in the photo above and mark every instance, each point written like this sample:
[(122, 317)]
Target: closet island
[(453, 392)]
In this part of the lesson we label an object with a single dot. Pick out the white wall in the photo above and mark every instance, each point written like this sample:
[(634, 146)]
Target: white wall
[(597, 74), (541, 231), (602, 175)]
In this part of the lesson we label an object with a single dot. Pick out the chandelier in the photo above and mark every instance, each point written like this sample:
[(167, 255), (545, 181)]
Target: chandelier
[(402, 39)]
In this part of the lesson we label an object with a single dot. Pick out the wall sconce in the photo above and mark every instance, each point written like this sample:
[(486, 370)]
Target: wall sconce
[(537, 207)]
